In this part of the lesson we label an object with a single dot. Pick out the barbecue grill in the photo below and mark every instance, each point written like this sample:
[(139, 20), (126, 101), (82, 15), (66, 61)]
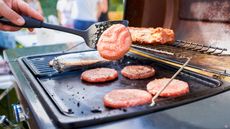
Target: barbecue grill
[(72, 103)]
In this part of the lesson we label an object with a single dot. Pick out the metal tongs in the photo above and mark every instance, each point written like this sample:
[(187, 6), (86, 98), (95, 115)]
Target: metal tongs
[(173, 77), (91, 35)]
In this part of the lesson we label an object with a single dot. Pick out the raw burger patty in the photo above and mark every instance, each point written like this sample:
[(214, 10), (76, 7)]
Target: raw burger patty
[(99, 75), (174, 89), (137, 72), (123, 98), (152, 35), (114, 42)]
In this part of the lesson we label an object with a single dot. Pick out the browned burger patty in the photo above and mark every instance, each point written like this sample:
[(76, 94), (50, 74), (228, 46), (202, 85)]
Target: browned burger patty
[(151, 35), (174, 89), (123, 98), (99, 75), (137, 71)]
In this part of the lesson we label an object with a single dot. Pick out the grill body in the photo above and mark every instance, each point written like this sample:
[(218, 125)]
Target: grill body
[(71, 102)]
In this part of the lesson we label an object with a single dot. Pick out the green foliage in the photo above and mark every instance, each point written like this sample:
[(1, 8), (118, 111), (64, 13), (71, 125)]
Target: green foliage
[(49, 7), (116, 5)]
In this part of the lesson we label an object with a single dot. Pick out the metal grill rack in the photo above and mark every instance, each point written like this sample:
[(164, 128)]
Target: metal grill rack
[(187, 45), (199, 47)]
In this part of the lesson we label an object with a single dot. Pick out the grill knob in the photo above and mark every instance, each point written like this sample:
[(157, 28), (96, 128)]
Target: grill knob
[(20, 116)]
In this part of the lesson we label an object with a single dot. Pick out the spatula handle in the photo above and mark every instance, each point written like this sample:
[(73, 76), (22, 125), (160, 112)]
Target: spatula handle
[(29, 22), (34, 23)]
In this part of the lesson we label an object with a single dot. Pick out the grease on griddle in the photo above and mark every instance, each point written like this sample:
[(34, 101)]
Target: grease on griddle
[(124, 110), (96, 111), (70, 111)]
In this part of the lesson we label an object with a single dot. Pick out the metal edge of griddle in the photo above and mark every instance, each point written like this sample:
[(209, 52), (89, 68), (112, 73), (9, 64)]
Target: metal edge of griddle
[(61, 107), (43, 96), (209, 72), (62, 118), (68, 122)]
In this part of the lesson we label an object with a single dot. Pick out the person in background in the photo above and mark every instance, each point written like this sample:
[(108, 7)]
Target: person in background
[(84, 13), (35, 4), (64, 8), (103, 6)]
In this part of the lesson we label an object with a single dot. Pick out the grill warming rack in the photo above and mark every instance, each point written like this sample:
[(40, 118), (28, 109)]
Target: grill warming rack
[(188, 45), (207, 49)]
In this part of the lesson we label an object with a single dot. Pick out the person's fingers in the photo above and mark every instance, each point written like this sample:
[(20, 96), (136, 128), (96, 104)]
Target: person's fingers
[(8, 28), (25, 9), (11, 15), (31, 29)]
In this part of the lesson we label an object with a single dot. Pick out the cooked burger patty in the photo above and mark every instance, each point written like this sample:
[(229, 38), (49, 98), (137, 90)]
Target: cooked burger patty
[(123, 98), (114, 42), (137, 71), (99, 75), (152, 35), (174, 89)]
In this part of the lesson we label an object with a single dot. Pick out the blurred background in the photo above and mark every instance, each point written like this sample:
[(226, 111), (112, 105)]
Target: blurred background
[(78, 14)]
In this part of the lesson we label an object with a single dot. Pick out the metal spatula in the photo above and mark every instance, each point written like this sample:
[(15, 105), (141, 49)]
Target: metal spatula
[(91, 35)]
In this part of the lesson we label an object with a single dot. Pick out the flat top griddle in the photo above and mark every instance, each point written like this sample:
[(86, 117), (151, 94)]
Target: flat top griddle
[(81, 103)]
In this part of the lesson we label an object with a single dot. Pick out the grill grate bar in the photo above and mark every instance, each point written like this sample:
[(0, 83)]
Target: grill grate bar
[(199, 47), (41, 66), (152, 49)]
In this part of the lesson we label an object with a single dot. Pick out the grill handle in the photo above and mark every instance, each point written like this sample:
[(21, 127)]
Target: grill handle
[(29, 22)]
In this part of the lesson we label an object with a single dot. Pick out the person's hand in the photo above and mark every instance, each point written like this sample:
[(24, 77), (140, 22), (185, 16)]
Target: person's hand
[(10, 9)]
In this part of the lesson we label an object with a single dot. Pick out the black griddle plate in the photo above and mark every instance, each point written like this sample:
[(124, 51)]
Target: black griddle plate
[(74, 103)]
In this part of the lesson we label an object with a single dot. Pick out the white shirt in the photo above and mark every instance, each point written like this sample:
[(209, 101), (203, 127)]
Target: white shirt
[(85, 10), (65, 7)]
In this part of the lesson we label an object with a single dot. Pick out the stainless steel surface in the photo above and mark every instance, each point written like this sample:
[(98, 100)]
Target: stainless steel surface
[(153, 50)]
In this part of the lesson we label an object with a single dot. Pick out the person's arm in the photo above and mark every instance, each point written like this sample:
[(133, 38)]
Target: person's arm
[(102, 7), (11, 10)]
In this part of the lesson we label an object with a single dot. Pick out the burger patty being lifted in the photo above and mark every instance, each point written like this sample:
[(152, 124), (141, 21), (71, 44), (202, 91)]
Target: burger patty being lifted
[(152, 35), (114, 42)]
